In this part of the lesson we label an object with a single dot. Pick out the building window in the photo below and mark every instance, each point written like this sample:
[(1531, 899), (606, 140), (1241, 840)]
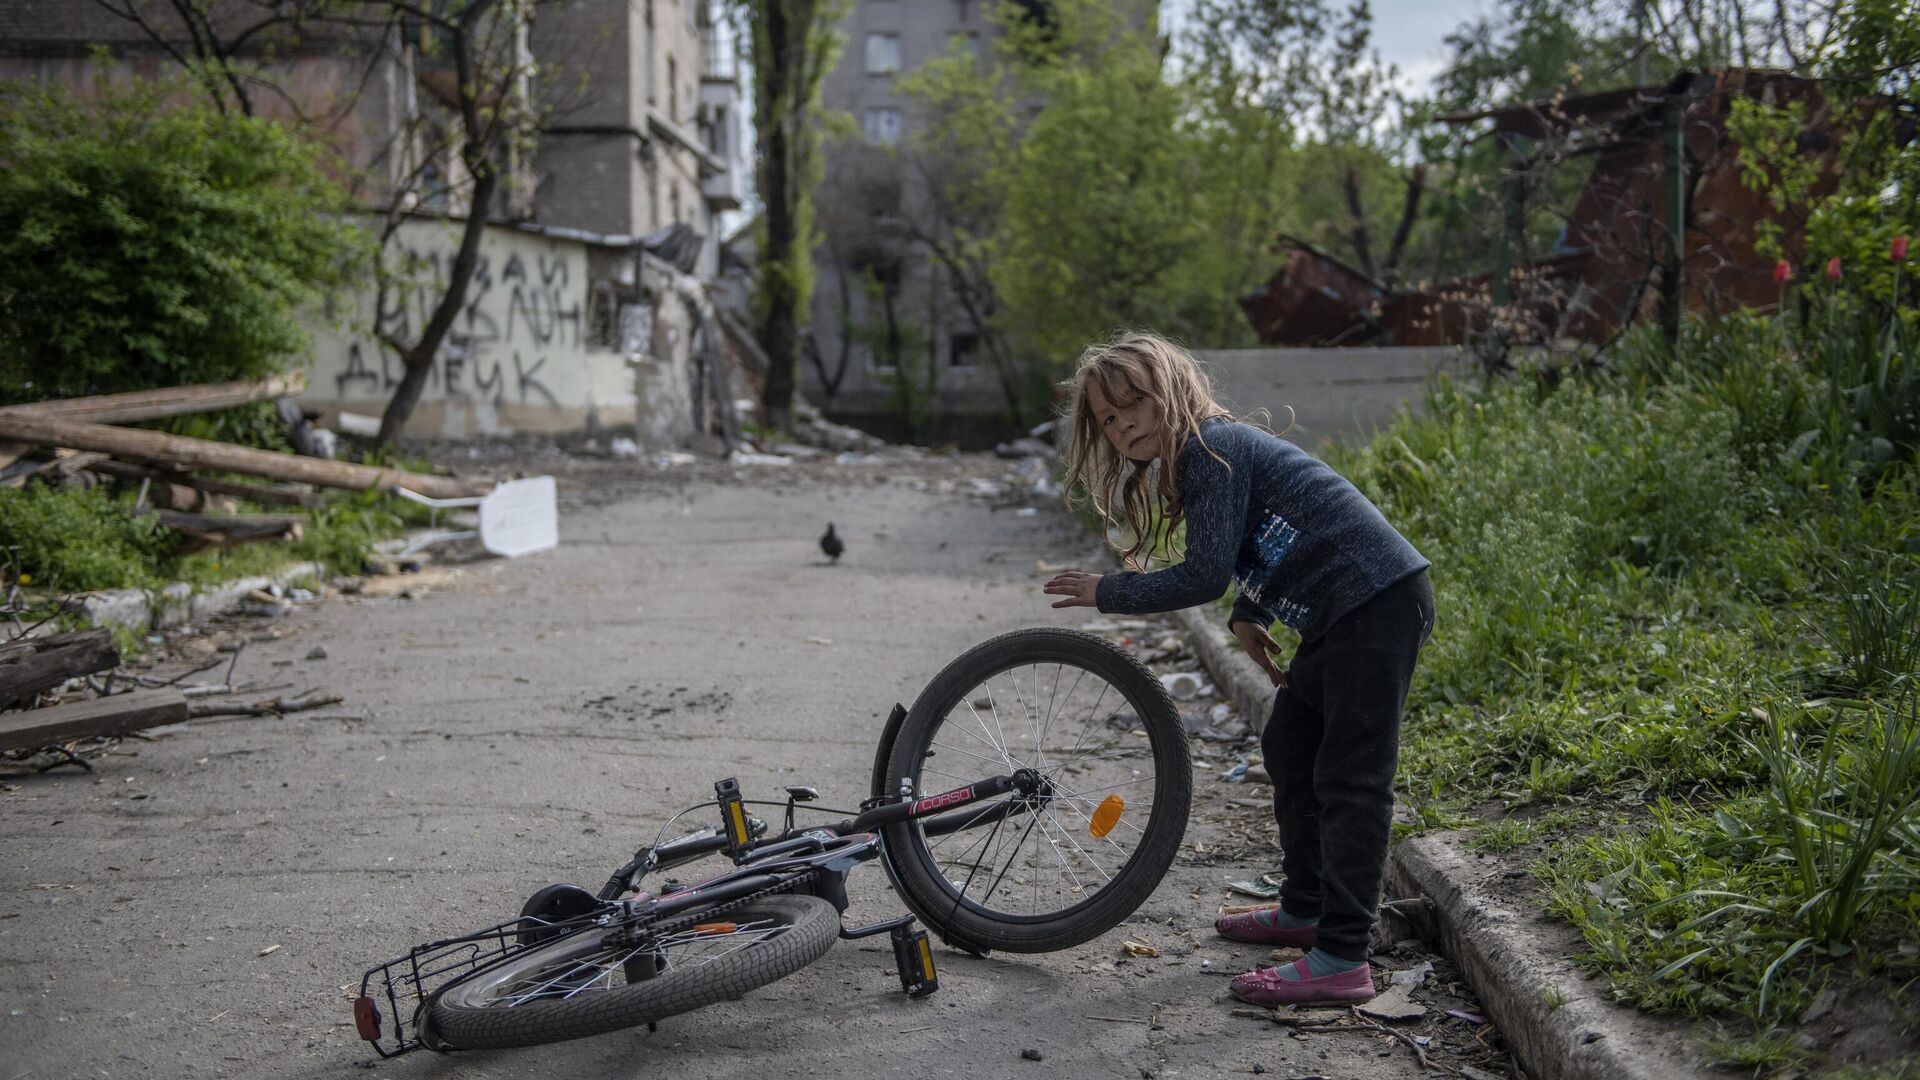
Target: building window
[(962, 5), (674, 194), (673, 91), (882, 126), (962, 349), (883, 54), (603, 322), (435, 194)]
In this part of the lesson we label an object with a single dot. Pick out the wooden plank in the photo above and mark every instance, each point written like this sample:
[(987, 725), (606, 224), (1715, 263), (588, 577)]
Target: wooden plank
[(114, 715), (181, 452), (259, 493), (155, 404), (200, 532), (32, 664)]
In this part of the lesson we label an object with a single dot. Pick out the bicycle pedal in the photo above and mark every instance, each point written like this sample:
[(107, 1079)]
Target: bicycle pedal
[(913, 955)]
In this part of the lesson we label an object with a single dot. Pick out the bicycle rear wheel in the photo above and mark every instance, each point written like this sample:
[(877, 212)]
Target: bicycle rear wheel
[(597, 981), (1035, 873)]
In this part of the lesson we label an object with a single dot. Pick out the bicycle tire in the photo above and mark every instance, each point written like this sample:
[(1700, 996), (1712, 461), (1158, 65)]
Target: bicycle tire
[(481, 1013), (928, 878)]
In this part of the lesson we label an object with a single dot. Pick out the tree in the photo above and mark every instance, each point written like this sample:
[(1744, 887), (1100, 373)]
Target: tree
[(471, 53), (1296, 122), (791, 45), (484, 40), (957, 158), (1100, 205), (144, 244), (1058, 186)]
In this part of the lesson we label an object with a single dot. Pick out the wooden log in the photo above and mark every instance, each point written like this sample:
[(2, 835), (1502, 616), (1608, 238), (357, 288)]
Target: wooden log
[(30, 665), (181, 452), (62, 464), (155, 404), (201, 532), (114, 715), (259, 493)]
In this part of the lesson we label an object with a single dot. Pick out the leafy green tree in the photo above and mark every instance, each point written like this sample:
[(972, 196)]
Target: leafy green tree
[(1100, 205), (146, 243), (957, 158), (791, 45)]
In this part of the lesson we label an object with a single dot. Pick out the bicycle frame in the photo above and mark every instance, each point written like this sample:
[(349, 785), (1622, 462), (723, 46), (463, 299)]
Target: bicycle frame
[(814, 859)]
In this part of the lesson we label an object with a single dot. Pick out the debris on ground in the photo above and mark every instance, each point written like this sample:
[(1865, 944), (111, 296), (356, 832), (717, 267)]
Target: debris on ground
[(1265, 887)]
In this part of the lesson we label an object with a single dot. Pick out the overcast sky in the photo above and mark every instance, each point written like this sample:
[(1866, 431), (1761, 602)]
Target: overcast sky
[(1408, 33)]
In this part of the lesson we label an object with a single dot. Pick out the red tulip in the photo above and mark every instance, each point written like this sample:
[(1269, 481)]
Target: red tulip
[(1782, 272), (1833, 268), (1900, 248)]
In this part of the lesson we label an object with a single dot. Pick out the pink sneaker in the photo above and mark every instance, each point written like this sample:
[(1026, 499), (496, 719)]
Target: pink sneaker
[(1266, 987), (1249, 926)]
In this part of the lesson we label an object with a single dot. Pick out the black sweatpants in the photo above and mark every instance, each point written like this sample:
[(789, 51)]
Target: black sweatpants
[(1331, 749)]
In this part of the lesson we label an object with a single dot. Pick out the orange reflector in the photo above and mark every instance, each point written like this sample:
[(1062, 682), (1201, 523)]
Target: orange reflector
[(1106, 815), (716, 928)]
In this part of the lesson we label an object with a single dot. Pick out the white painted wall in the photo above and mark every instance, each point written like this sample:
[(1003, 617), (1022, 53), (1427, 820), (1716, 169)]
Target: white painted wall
[(517, 359)]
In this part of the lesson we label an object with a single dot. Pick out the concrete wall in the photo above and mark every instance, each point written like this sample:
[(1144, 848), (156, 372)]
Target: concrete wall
[(1343, 395), (519, 357)]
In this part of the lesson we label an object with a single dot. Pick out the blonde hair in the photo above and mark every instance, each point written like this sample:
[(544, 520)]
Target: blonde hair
[(1131, 365)]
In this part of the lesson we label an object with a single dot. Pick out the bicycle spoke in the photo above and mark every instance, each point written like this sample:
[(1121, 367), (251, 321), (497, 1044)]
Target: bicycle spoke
[(1081, 731)]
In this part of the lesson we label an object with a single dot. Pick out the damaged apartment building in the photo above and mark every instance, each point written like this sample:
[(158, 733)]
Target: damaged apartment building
[(592, 305)]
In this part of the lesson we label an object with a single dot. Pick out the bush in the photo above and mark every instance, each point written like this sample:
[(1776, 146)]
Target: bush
[(74, 540), (146, 243)]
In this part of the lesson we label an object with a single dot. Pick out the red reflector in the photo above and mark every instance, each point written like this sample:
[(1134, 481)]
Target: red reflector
[(366, 1018)]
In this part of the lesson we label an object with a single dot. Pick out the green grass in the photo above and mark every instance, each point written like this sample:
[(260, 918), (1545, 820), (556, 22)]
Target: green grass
[(73, 540), (1681, 598)]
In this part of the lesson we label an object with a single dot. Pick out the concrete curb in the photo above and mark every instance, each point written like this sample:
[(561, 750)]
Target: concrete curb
[(140, 610), (1517, 963)]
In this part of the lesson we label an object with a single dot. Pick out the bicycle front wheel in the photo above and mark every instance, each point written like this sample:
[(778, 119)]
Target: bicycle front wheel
[(598, 981), (1050, 869)]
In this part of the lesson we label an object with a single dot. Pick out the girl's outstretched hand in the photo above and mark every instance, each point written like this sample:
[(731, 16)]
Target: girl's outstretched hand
[(1077, 587), (1261, 646)]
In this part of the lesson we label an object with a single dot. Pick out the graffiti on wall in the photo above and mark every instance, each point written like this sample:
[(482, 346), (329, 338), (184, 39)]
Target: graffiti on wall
[(522, 322)]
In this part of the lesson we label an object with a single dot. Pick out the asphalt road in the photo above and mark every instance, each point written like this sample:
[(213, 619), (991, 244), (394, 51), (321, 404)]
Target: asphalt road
[(200, 903)]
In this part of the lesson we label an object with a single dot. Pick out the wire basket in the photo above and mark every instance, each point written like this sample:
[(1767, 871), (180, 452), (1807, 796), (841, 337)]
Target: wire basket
[(392, 994)]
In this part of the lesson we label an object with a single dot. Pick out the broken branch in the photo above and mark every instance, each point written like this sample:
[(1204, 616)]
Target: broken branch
[(270, 707)]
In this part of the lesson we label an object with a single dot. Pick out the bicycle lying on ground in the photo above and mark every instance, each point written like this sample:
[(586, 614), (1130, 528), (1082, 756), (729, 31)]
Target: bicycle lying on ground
[(1061, 786)]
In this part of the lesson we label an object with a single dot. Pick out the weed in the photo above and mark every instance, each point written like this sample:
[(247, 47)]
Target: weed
[(1500, 837), (75, 539), (1761, 1053)]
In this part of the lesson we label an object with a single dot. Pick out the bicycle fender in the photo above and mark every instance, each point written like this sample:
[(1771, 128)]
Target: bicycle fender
[(881, 788)]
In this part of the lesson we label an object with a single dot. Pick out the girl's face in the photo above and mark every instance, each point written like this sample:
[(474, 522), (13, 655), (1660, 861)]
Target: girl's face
[(1133, 429)]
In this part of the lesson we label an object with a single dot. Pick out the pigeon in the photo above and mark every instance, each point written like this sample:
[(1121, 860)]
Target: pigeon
[(831, 544)]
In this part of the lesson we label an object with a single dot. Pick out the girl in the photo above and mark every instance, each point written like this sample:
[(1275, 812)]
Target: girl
[(1305, 547)]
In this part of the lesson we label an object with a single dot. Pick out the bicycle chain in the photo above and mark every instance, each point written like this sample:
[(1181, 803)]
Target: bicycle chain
[(680, 922)]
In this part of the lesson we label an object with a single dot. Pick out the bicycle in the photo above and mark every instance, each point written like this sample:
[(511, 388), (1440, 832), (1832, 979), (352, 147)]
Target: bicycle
[(1078, 817)]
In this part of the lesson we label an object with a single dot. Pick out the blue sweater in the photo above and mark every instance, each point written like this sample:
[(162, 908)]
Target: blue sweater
[(1301, 543)]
